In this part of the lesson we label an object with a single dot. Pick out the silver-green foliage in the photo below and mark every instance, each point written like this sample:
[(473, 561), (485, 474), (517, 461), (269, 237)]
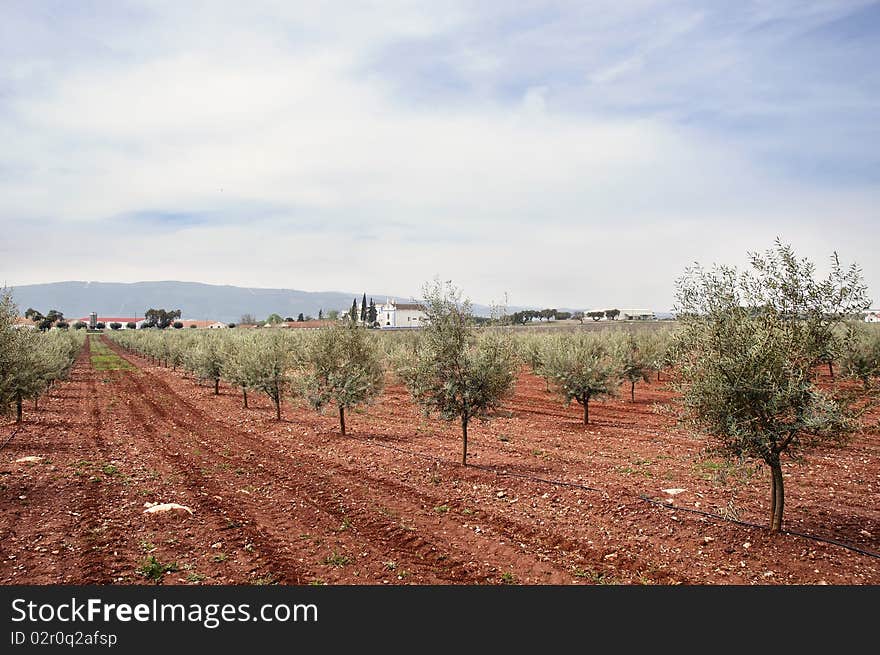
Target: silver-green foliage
[(580, 366), (635, 358), (860, 358), (30, 360), (747, 353), (343, 366), (452, 371)]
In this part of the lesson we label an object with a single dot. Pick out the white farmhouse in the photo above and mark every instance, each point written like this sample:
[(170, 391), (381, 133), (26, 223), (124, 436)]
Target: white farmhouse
[(637, 315), (872, 316), (395, 314)]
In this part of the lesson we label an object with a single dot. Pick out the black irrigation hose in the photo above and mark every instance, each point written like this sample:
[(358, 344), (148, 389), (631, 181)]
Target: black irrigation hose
[(827, 540), (647, 499), (834, 542), (9, 438), (701, 512)]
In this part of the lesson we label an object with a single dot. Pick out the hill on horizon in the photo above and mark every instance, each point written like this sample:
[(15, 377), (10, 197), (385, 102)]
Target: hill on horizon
[(196, 300)]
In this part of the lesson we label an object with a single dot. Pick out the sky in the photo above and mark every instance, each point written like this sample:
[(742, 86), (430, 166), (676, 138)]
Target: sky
[(561, 154)]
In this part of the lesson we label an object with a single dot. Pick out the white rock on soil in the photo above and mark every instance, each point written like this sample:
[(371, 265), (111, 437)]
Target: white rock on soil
[(673, 492), (30, 459), (161, 508)]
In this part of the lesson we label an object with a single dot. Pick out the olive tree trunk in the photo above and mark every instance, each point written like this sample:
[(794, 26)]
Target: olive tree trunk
[(277, 399), (585, 401), (777, 496), (464, 426), (244, 396), (216, 386)]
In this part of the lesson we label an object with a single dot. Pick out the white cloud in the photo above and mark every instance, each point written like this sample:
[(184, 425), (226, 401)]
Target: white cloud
[(321, 177)]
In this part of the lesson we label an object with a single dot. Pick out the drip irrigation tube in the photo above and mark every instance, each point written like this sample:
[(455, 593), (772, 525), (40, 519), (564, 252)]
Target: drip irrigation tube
[(9, 438), (647, 499)]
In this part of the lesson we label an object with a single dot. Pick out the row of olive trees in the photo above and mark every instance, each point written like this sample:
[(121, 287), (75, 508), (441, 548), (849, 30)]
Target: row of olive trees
[(583, 366), (30, 360), (448, 367), (341, 366), (860, 359), (745, 360)]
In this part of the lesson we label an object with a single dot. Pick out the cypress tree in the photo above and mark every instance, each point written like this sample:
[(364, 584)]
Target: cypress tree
[(372, 313), (364, 309), (353, 314)]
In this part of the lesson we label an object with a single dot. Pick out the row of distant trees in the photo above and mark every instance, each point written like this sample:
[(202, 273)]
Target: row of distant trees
[(31, 360), (160, 318), (340, 365), (52, 318), (163, 318), (529, 315), (275, 318)]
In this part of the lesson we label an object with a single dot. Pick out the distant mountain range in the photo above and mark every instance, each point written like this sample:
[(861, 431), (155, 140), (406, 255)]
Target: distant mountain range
[(194, 299)]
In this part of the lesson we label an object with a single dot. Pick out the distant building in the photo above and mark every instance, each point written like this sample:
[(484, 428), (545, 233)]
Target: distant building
[(23, 323), (205, 325), (395, 314), (872, 316), (636, 315), (93, 319)]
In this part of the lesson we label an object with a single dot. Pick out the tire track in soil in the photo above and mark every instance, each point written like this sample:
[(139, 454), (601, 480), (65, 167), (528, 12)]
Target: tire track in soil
[(544, 542), (421, 553), (268, 552)]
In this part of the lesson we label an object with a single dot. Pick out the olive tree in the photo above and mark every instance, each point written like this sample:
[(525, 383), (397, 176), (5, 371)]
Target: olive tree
[(861, 356), (206, 360), (452, 371), (343, 366), (269, 360), (237, 365), (634, 359), (748, 350), (581, 366)]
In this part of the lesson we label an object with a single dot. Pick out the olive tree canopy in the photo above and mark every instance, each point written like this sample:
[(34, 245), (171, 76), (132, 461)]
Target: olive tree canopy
[(453, 371), (748, 349)]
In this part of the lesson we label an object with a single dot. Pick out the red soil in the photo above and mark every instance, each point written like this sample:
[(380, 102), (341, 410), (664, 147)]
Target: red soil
[(294, 502)]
